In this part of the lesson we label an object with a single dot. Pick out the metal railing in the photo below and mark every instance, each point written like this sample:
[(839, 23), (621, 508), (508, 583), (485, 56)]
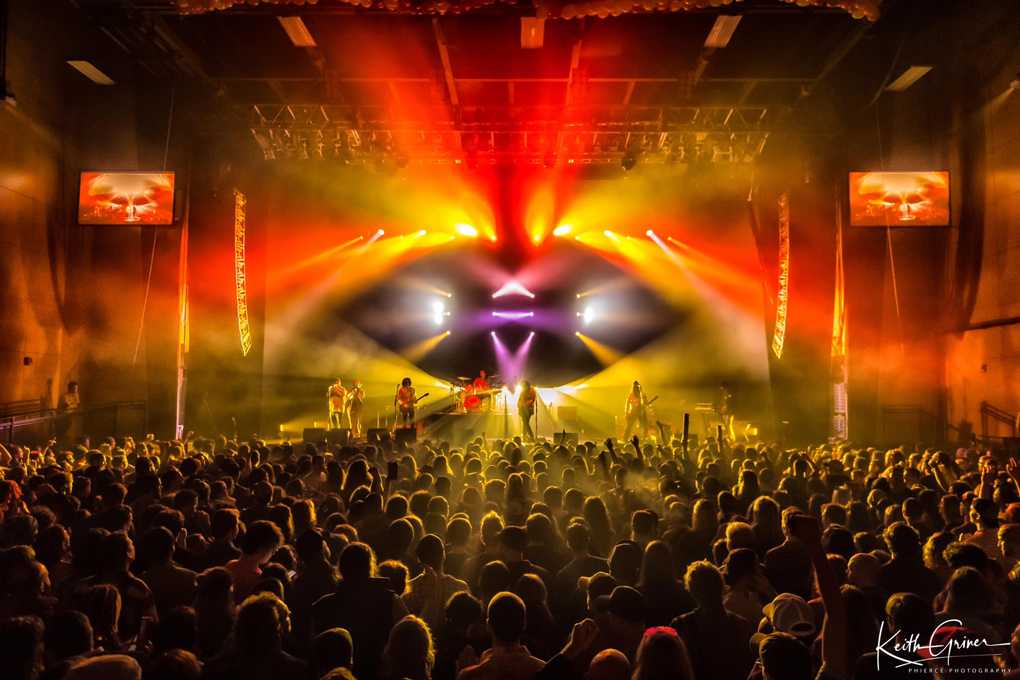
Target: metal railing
[(990, 414), (31, 422)]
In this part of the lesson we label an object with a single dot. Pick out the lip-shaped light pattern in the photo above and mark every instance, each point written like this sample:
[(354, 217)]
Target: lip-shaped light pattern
[(513, 315), (513, 288)]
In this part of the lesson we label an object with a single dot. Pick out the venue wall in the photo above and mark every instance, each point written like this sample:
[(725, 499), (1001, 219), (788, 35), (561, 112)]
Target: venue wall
[(72, 296)]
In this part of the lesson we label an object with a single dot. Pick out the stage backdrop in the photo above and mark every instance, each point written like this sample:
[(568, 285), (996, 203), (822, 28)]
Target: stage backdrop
[(579, 281)]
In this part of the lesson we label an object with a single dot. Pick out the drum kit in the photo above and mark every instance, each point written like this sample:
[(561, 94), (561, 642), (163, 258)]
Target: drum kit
[(471, 399)]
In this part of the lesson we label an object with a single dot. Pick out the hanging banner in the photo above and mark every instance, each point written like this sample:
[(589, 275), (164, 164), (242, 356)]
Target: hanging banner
[(783, 288), (240, 275)]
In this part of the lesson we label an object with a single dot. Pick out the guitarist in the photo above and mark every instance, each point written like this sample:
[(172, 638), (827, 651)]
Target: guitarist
[(635, 411), (526, 409), (404, 401)]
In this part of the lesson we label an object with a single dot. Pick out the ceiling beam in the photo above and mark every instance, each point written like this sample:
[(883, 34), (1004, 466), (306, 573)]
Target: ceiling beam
[(575, 61), (444, 58)]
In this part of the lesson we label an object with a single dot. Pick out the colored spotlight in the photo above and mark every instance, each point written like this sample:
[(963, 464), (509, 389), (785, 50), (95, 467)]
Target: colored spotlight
[(611, 235), (439, 312), (650, 234), (421, 233), (467, 230), (513, 288), (563, 230), (588, 315)]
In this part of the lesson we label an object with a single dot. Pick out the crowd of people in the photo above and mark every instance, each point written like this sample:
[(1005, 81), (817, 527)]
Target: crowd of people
[(216, 559)]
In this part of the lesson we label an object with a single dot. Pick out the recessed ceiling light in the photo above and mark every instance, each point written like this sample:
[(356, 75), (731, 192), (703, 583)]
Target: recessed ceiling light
[(90, 71), (722, 30), (532, 33), (297, 31), (908, 78)]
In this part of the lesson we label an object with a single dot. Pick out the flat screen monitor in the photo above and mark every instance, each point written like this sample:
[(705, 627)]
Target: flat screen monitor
[(126, 198), (899, 199)]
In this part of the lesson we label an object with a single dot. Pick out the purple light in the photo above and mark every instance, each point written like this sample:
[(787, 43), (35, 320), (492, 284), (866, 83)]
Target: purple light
[(503, 358), (511, 364), (513, 315)]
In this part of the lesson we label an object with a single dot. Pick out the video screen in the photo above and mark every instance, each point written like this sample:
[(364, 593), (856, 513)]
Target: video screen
[(899, 199), (126, 198)]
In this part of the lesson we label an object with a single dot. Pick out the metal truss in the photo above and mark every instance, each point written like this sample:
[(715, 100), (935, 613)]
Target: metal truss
[(532, 134)]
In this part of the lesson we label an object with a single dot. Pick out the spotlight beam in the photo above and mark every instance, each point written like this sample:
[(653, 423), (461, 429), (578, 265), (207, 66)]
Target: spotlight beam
[(605, 354), (420, 350)]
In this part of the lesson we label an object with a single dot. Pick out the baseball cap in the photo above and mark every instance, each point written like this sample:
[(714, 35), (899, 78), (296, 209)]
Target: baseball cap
[(789, 613)]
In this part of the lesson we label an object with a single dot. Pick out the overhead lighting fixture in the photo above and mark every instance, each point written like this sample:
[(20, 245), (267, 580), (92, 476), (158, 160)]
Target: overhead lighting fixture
[(562, 230), (90, 71), (532, 33), (722, 30), (908, 78), (297, 31)]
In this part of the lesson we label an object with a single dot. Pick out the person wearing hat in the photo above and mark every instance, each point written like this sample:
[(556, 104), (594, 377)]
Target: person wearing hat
[(621, 620), (788, 613)]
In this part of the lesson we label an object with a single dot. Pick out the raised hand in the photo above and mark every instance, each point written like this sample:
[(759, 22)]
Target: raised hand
[(468, 657), (582, 637), (1013, 470)]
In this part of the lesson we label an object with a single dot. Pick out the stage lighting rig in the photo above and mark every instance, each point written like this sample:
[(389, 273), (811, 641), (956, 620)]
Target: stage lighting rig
[(588, 315), (467, 230), (439, 312), (562, 230)]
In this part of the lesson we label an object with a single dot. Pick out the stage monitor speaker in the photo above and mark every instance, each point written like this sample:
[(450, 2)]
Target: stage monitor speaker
[(565, 438), (339, 436), (377, 434), (406, 435), (314, 435)]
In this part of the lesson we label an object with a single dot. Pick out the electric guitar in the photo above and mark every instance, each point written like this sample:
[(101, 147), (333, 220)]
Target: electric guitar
[(407, 408)]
